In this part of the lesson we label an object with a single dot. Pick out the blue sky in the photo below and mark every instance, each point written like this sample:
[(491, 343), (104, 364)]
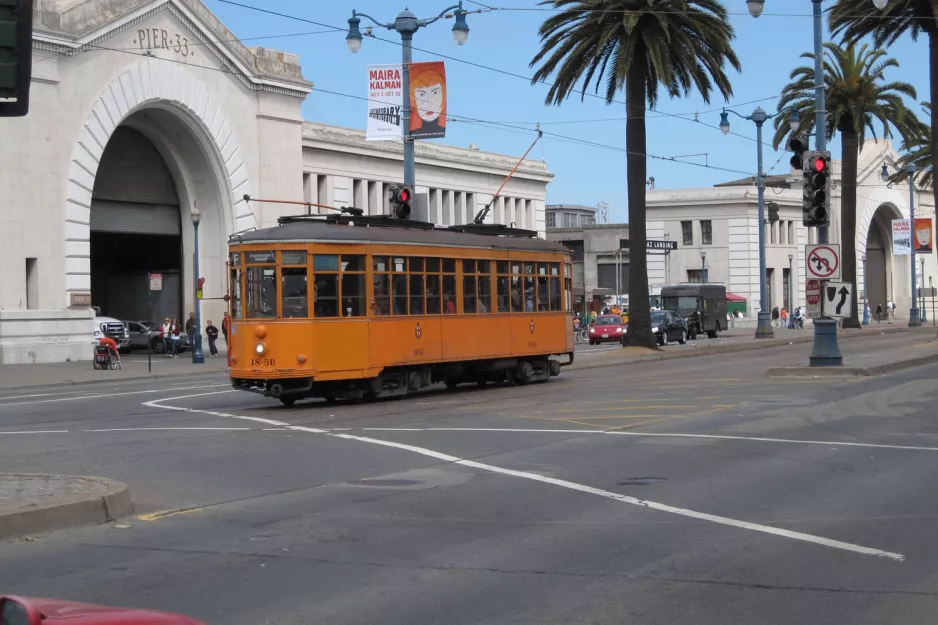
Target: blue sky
[(768, 47)]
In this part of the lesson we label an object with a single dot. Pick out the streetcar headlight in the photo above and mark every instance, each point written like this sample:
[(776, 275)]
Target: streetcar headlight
[(260, 348)]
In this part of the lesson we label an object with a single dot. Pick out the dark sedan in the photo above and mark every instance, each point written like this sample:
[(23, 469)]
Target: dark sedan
[(606, 328), (668, 326)]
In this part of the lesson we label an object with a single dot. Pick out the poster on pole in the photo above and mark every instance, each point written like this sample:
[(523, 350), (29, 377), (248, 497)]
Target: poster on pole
[(385, 102), (923, 236), (901, 237), (427, 100)]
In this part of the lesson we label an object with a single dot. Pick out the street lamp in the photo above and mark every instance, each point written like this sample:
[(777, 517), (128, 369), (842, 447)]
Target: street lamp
[(764, 325), (198, 357), (866, 308), (406, 24), (703, 267), (880, 4), (755, 7), (791, 293), (884, 173)]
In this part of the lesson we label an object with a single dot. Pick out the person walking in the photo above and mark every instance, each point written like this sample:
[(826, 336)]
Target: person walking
[(174, 332), (226, 328), (783, 315), (775, 317), (190, 324), (212, 333)]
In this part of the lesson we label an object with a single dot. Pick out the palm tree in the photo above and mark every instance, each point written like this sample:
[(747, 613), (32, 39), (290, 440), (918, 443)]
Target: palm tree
[(858, 97), (639, 46), (918, 151), (855, 19)]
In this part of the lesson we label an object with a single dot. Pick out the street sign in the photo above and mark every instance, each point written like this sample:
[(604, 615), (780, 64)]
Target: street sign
[(835, 300), (812, 292), (156, 282), (822, 262), (659, 244), (812, 311)]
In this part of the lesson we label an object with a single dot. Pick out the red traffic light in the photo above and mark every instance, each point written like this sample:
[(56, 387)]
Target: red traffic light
[(820, 164), (404, 195)]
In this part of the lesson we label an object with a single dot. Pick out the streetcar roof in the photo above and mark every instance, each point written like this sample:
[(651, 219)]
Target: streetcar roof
[(313, 231)]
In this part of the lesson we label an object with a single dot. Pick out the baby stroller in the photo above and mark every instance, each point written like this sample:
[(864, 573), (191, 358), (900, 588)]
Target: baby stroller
[(104, 359)]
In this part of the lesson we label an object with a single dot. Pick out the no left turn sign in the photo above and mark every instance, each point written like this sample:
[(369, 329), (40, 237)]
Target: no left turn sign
[(822, 262)]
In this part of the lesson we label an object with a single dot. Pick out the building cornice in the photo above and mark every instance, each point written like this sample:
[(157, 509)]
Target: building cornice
[(346, 140)]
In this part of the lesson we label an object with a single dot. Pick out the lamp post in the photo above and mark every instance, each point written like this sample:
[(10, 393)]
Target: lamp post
[(866, 308), (703, 268), (791, 293), (197, 357), (764, 325), (406, 24), (922, 305), (914, 319)]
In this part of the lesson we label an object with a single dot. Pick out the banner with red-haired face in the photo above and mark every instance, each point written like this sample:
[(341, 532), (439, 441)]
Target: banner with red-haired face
[(427, 100)]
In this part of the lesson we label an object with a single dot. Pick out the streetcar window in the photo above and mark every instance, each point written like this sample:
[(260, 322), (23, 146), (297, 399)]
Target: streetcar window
[(555, 301), (449, 293), (468, 266), (416, 265), (501, 266), (468, 294), (235, 293), (353, 294), (555, 269), (416, 293), (542, 301), (325, 262), (542, 269), (483, 266), (294, 301), (353, 262), (502, 287), (485, 294), (530, 291), (517, 299), (449, 265), (261, 292), (381, 263), (568, 288), (433, 294), (516, 268), (326, 295), (529, 269), (399, 294), (400, 264), (293, 257), (433, 265), (382, 295)]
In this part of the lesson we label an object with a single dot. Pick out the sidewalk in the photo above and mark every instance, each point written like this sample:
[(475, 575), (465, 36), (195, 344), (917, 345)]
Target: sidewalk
[(32, 503), (134, 367)]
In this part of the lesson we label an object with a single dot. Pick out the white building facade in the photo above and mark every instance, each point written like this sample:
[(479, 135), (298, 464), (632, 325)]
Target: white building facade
[(143, 110), (717, 230)]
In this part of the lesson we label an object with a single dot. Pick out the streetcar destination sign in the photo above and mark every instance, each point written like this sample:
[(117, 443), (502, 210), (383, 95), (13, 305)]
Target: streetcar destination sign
[(657, 244)]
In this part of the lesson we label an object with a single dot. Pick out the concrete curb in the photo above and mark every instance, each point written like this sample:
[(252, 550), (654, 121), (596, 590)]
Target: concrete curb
[(724, 348), (852, 372), (133, 378), (95, 509)]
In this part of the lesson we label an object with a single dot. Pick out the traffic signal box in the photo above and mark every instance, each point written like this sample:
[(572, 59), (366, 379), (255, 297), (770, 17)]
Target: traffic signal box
[(402, 196), (817, 189), (16, 56)]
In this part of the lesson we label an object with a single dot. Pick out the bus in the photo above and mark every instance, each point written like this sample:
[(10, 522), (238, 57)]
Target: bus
[(353, 307), (703, 306)]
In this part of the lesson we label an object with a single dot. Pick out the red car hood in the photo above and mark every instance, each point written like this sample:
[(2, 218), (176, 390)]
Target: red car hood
[(73, 613)]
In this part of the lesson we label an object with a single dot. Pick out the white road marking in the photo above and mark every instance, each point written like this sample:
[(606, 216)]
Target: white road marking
[(703, 516), (37, 432), (170, 429), (157, 403), (484, 430), (98, 396)]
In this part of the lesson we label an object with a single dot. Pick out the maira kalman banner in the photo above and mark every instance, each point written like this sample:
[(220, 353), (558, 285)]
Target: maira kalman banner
[(427, 100), (385, 102)]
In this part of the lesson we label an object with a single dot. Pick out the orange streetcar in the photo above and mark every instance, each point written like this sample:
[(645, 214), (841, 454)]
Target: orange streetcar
[(358, 307)]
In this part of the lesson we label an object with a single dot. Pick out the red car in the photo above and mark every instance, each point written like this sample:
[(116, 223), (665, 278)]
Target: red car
[(606, 328), (35, 611)]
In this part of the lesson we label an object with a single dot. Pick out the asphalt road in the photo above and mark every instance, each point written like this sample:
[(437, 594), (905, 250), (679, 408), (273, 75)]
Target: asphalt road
[(682, 491)]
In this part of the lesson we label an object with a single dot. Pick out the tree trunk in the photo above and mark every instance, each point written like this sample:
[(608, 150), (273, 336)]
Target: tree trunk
[(848, 218), (639, 332)]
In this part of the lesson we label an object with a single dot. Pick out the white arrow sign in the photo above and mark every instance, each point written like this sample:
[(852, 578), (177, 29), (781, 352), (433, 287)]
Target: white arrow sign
[(836, 298)]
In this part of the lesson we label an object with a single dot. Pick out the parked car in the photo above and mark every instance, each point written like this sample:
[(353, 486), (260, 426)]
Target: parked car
[(606, 328), (668, 326), (141, 333), (108, 326)]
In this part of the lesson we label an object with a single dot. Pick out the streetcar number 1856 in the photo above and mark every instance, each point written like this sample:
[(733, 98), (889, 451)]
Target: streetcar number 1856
[(263, 362)]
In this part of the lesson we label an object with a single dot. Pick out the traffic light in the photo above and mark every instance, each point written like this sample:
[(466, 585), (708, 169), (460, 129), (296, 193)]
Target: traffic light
[(16, 56), (797, 146), (401, 197), (773, 212), (817, 187)]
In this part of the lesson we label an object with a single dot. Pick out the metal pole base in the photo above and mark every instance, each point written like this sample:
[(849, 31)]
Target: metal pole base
[(198, 358), (866, 317), (826, 352), (764, 326), (914, 320)]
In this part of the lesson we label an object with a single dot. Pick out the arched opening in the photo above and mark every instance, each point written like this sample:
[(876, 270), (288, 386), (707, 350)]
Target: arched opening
[(136, 229), (879, 278)]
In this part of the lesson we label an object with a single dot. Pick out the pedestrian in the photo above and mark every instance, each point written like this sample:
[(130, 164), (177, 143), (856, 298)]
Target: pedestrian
[(783, 315), (212, 333), (190, 324), (879, 313), (225, 328), (891, 310), (174, 332), (165, 336), (775, 317)]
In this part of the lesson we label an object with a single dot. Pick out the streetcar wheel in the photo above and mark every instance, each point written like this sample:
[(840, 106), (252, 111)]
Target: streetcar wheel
[(288, 401)]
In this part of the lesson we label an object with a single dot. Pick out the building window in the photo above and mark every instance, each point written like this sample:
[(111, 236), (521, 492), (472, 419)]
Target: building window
[(706, 232), (32, 283), (551, 220), (695, 275), (687, 229), (569, 220), (575, 247), (589, 220)]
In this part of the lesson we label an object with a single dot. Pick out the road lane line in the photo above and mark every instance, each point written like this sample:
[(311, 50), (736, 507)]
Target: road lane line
[(37, 432), (98, 396), (703, 516), (168, 429), (157, 403)]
